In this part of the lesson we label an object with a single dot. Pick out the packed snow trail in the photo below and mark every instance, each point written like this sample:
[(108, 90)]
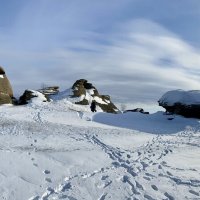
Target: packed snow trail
[(140, 174), (51, 153)]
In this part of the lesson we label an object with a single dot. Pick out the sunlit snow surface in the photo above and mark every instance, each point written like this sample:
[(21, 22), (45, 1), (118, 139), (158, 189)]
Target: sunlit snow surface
[(191, 97), (58, 150)]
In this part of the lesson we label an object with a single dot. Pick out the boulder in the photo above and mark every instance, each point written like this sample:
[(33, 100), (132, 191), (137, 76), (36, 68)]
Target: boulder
[(6, 92), (30, 95), (84, 93), (185, 103)]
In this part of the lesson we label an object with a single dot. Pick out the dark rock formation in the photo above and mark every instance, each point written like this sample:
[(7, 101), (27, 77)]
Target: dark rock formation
[(141, 110), (6, 92), (185, 103), (85, 93), (30, 94)]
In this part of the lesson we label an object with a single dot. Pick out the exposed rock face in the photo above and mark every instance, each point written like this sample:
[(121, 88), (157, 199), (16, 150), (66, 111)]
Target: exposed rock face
[(52, 90), (185, 103), (31, 94), (85, 93), (6, 92)]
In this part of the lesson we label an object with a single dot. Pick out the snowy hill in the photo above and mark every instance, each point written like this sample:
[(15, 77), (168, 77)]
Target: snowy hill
[(60, 150)]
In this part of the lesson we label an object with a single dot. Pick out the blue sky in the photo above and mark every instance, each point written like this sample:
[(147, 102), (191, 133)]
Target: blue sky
[(134, 50)]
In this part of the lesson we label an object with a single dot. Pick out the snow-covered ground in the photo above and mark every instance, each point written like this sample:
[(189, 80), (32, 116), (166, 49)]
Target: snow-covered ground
[(58, 150)]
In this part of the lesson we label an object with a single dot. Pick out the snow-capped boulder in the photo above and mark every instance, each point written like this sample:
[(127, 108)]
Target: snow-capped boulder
[(6, 92), (185, 103), (84, 93), (32, 96)]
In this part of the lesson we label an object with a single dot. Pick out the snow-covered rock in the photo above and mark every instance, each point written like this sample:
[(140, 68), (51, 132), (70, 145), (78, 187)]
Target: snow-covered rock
[(32, 96), (186, 103), (83, 93)]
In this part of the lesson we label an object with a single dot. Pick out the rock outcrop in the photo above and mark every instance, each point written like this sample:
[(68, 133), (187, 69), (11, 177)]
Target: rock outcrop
[(84, 93), (51, 90), (32, 95), (6, 92), (185, 103)]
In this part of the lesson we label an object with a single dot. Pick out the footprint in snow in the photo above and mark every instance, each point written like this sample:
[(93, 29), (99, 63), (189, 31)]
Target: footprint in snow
[(154, 187), (48, 180), (146, 178), (169, 196), (194, 193), (102, 197), (138, 185), (144, 165), (170, 174), (104, 177), (34, 198), (107, 183), (150, 175), (116, 164), (159, 167), (164, 163), (128, 162), (46, 172), (63, 187), (48, 192), (148, 197)]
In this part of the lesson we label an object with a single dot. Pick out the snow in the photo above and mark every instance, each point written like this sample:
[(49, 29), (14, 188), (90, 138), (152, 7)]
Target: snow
[(39, 97), (88, 96), (90, 91), (191, 97), (99, 100), (60, 150)]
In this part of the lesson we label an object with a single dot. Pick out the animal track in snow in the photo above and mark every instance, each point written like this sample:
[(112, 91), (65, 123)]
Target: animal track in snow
[(154, 187), (63, 187), (147, 178), (103, 196), (46, 171), (169, 196), (194, 193), (48, 180), (148, 197)]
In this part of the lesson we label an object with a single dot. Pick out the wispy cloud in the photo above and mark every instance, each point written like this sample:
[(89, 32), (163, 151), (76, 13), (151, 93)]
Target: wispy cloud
[(136, 59)]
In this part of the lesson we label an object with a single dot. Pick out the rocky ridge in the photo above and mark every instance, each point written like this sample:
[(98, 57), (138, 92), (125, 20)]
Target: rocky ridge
[(84, 93)]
